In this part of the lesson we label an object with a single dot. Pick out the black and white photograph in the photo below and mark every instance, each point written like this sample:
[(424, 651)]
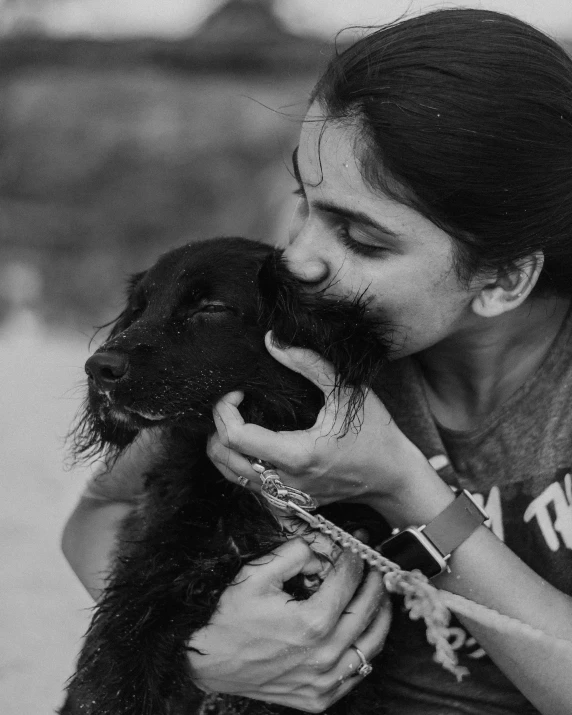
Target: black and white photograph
[(286, 357)]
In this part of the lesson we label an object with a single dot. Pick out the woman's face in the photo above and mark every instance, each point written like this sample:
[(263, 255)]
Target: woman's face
[(346, 237)]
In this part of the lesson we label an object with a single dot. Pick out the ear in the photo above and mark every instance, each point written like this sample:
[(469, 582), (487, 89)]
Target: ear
[(509, 288)]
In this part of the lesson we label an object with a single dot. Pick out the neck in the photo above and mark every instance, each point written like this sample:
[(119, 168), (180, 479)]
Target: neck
[(475, 371)]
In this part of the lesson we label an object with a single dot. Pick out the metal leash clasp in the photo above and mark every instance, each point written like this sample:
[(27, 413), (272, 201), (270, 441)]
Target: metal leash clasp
[(282, 496)]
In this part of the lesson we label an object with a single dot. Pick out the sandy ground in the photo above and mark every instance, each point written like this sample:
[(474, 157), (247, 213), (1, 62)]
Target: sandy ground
[(43, 609)]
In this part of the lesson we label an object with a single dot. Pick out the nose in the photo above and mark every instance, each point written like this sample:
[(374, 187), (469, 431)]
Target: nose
[(305, 261), (312, 272), (107, 368)]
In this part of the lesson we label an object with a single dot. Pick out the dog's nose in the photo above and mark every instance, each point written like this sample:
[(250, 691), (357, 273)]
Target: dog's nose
[(107, 368)]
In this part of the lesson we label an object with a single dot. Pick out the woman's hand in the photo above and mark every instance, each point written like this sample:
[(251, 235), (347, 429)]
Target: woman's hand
[(264, 645), (367, 463)]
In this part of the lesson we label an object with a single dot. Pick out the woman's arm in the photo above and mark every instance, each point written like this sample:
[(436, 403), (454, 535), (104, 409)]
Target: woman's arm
[(89, 540), (486, 571), (90, 534), (379, 466)]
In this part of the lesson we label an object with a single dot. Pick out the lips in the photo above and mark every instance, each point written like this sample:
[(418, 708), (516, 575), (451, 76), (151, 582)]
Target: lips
[(109, 409), (146, 415)]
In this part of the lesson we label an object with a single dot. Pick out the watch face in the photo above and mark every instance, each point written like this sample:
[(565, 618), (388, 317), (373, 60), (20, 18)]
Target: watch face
[(408, 550)]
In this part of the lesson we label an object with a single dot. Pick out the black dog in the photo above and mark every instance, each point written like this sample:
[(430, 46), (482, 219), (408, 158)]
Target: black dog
[(192, 331)]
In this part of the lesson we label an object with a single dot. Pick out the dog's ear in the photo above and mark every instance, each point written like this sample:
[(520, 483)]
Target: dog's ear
[(341, 330)]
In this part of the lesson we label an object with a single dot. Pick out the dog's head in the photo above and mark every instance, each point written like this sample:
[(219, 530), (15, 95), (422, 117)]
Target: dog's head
[(189, 331), (193, 330)]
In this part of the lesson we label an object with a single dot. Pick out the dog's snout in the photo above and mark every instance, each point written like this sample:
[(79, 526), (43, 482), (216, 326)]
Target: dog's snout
[(106, 369)]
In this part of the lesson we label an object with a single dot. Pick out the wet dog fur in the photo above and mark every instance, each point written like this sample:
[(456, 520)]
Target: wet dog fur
[(193, 330)]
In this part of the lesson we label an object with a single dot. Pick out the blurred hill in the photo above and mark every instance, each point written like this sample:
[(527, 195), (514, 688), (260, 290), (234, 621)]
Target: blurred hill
[(111, 152)]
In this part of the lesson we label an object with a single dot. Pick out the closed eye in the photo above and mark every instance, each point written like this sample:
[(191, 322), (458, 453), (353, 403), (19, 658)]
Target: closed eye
[(211, 308), (214, 308)]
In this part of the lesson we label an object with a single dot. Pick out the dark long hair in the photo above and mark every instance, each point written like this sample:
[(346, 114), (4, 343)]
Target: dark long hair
[(466, 116)]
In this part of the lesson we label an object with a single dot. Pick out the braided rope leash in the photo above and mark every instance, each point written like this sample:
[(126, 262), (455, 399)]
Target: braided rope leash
[(421, 598)]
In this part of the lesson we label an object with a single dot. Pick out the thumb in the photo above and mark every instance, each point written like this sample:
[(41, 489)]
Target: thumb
[(226, 412), (283, 563), (231, 398), (305, 362)]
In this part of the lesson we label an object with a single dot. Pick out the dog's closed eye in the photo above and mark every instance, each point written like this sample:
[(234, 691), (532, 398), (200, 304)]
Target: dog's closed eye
[(214, 308), (211, 309)]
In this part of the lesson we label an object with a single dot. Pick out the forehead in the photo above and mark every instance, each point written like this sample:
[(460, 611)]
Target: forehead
[(329, 162), (326, 145)]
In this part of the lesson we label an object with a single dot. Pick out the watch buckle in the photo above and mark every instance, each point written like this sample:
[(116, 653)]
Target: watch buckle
[(468, 494)]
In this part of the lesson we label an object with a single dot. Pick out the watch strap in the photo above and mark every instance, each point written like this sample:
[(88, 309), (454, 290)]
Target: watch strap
[(455, 523)]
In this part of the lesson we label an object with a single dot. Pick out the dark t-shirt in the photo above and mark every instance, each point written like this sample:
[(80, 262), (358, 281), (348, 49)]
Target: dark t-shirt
[(518, 462)]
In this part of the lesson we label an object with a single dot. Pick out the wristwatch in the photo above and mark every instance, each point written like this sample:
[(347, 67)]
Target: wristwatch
[(429, 547)]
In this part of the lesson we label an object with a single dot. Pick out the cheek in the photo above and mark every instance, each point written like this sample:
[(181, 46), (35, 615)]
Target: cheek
[(413, 307), (421, 300), (437, 314)]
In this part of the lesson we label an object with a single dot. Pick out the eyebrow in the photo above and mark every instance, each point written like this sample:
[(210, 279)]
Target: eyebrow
[(341, 211)]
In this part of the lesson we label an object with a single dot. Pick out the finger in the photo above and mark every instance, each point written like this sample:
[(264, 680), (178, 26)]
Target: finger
[(344, 687), (239, 479), (286, 561), (226, 412), (301, 701), (231, 427), (290, 699), (343, 684), (249, 440), (361, 610), (233, 398), (331, 692), (305, 362), (255, 441), (288, 451), (338, 588), (283, 449), (372, 640), (232, 465), (370, 643), (319, 371)]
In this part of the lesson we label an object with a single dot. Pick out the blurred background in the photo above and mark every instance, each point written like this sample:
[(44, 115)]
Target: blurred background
[(127, 128)]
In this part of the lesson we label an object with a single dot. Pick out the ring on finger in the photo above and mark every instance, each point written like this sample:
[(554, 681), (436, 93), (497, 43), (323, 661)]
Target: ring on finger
[(243, 481), (365, 667)]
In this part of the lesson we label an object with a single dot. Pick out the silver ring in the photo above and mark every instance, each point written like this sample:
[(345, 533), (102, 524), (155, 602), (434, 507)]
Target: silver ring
[(365, 667), (243, 481)]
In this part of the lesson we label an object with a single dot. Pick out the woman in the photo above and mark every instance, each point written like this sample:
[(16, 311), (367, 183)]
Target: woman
[(435, 175)]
